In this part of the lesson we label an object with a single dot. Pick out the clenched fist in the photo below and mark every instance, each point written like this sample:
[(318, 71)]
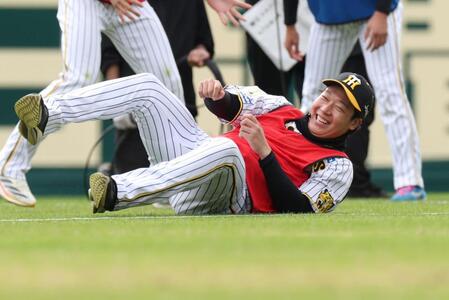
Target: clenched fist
[(211, 88)]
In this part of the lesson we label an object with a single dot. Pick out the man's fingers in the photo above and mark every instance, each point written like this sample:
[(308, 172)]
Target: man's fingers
[(237, 14), (242, 4), (136, 2), (217, 89), (375, 43), (382, 40), (200, 90), (129, 15), (367, 33), (252, 118), (223, 18), (245, 130), (124, 9), (295, 53), (210, 89), (249, 121), (133, 11), (290, 49), (232, 18), (369, 42), (120, 15)]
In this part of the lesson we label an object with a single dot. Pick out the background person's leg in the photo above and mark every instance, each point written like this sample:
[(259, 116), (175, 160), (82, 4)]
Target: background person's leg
[(145, 47), (80, 47), (384, 69)]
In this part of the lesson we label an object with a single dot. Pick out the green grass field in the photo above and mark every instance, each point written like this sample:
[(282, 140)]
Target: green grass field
[(364, 250)]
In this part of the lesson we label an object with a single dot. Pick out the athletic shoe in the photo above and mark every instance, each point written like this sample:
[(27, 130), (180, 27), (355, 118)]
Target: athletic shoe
[(16, 191), (102, 192), (33, 115), (409, 193)]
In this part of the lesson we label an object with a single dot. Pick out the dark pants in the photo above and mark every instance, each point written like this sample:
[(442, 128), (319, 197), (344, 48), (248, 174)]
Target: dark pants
[(130, 154), (358, 142)]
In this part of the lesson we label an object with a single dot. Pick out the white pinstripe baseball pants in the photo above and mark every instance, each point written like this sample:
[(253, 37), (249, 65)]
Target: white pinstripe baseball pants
[(143, 43), (196, 173), (330, 45)]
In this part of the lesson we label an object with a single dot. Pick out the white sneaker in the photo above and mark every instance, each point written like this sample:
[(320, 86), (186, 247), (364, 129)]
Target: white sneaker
[(16, 191)]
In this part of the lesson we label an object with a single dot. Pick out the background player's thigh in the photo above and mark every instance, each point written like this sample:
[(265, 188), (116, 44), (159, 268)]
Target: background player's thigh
[(329, 46), (145, 46), (80, 26)]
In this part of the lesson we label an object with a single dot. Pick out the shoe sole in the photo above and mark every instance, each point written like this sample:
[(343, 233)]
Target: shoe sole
[(98, 189), (29, 110), (420, 197), (423, 198), (9, 198)]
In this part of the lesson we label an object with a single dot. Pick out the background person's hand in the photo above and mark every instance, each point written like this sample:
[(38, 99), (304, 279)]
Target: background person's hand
[(376, 31), (198, 56), (292, 43), (227, 10), (124, 8)]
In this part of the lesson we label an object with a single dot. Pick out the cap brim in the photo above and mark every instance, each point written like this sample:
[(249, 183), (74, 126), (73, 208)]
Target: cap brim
[(349, 94)]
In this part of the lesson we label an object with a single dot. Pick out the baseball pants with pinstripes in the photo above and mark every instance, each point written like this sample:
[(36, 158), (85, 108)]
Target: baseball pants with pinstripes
[(329, 47), (143, 43), (198, 174)]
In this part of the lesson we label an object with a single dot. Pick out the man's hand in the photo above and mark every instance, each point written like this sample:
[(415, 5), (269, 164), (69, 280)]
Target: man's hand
[(252, 132), (211, 88), (227, 11), (292, 43), (124, 8), (376, 31), (198, 56)]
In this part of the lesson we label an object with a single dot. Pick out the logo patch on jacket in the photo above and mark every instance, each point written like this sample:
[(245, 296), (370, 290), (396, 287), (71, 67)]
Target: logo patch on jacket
[(325, 201)]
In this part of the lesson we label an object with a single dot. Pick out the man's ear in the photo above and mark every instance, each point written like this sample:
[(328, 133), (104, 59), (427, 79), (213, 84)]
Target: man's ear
[(355, 123)]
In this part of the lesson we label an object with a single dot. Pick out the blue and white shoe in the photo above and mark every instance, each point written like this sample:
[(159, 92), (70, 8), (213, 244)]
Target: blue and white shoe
[(409, 193)]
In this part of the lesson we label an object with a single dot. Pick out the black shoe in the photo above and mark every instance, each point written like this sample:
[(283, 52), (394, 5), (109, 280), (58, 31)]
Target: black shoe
[(370, 191)]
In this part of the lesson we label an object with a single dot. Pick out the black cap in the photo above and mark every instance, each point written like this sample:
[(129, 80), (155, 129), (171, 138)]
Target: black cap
[(357, 89)]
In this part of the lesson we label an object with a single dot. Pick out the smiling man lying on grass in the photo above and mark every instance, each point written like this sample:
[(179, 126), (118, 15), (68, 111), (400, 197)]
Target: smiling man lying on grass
[(276, 159)]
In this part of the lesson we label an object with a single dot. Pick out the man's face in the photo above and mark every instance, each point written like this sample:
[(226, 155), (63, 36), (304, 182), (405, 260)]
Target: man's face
[(331, 114)]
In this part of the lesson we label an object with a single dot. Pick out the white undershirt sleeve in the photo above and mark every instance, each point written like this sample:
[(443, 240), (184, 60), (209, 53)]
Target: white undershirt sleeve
[(255, 101)]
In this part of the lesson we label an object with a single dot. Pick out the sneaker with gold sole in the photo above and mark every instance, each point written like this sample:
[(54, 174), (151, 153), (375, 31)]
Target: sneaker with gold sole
[(33, 115), (102, 192)]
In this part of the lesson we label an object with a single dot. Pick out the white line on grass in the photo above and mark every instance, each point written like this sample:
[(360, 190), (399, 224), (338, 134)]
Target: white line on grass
[(203, 216), (126, 218)]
